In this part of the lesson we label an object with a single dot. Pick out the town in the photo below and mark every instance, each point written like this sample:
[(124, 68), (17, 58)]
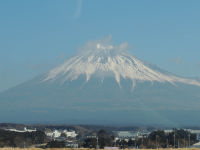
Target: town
[(97, 137)]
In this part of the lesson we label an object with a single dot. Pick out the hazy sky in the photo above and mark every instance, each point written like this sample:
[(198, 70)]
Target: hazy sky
[(39, 34)]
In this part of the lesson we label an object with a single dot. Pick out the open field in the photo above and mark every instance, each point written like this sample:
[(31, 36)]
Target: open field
[(88, 149)]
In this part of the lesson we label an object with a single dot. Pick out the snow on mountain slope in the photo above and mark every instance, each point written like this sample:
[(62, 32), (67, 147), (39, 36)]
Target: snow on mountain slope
[(84, 90), (102, 59)]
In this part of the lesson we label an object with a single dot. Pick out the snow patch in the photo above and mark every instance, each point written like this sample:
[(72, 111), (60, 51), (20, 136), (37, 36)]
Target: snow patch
[(97, 58)]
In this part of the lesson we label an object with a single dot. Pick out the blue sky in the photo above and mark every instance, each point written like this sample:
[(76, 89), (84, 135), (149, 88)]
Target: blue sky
[(37, 35)]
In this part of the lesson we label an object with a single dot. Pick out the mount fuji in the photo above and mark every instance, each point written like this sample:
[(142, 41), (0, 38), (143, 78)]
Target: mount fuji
[(104, 84)]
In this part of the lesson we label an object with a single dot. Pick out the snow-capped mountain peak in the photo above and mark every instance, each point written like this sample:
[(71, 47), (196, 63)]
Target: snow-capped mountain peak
[(102, 59)]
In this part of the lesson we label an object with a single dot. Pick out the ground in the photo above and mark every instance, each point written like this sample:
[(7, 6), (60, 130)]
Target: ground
[(84, 149)]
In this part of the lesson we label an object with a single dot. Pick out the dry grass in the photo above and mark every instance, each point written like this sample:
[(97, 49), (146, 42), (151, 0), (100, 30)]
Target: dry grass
[(88, 149)]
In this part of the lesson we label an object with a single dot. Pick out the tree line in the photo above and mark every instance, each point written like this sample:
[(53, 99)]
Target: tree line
[(18, 139), (156, 139)]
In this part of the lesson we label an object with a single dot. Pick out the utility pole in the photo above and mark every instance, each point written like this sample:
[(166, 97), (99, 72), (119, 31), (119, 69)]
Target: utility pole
[(97, 147), (167, 143), (184, 142), (189, 139), (178, 143), (174, 139), (142, 141), (157, 141)]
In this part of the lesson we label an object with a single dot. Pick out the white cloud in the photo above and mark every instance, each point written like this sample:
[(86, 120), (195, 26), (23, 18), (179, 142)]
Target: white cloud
[(103, 45), (177, 60), (60, 57), (77, 13)]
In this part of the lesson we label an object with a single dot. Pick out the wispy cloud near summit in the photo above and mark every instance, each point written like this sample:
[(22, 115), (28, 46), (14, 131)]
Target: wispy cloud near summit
[(104, 45)]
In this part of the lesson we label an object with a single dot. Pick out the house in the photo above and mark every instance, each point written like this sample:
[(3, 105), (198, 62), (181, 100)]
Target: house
[(71, 144), (71, 134)]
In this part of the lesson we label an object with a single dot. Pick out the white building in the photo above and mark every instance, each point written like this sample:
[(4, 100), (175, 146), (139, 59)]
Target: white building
[(57, 133), (197, 132), (72, 144), (70, 133), (167, 131), (25, 130), (126, 135)]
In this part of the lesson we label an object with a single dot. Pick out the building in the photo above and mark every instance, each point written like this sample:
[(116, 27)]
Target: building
[(53, 134), (197, 132), (25, 130), (71, 144), (196, 145), (71, 134), (126, 135), (57, 133)]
